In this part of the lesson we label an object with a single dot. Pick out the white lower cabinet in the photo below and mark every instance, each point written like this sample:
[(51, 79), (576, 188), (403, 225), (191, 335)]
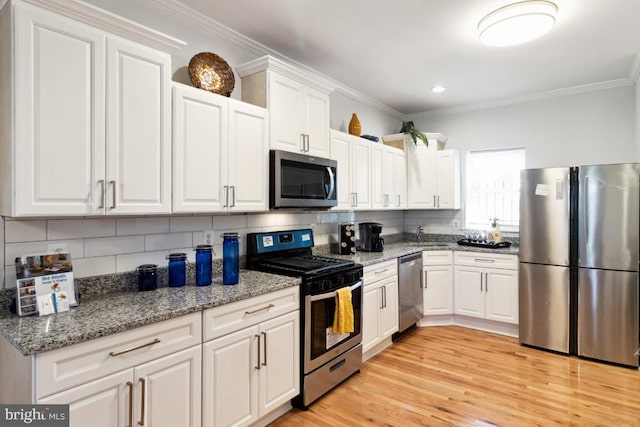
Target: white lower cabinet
[(146, 376), (437, 267), (164, 392), (486, 286), (252, 366), (380, 304)]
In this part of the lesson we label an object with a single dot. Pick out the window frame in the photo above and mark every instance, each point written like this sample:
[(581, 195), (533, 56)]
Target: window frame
[(509, 227)]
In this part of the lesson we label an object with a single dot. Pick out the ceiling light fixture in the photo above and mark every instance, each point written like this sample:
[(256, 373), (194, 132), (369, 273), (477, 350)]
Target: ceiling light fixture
[(517, 23), (438, 89)]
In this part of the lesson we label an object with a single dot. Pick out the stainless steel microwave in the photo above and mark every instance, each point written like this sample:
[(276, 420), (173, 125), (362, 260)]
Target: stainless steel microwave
[(301, 181)]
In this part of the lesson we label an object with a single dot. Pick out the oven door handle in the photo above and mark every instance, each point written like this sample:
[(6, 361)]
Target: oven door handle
[(331, 294)]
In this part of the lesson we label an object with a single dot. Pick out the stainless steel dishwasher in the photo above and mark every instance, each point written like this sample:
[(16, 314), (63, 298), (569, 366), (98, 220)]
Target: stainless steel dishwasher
[(409, 290)]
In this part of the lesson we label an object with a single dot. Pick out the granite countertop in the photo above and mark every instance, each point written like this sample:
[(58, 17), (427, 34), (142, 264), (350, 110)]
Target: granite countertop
[(398, 249), (118, 312)]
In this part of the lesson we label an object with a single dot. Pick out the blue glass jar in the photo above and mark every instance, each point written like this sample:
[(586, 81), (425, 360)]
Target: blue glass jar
[(147, 277), (177, 269), (230, 258), (203, 264)]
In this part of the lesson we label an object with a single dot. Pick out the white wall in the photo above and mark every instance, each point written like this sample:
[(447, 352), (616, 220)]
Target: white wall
[(637, 117), (587, 128), (373, 121)]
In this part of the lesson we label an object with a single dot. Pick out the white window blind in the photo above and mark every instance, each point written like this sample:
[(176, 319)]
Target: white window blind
[(493, 188)]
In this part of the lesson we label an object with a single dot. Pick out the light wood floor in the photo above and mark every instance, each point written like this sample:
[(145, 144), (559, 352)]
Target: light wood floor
[(453, 376)]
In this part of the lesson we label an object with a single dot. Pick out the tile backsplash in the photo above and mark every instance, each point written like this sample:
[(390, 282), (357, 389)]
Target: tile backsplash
[(114, 245), (102, 246)]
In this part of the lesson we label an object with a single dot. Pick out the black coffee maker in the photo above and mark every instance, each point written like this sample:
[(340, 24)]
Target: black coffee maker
[(370, 240)]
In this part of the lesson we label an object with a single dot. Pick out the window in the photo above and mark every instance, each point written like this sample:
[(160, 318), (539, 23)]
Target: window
[(493, 188)]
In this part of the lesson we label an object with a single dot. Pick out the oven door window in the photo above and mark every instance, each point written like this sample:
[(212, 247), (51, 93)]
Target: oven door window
[(322, 337), (306, 181)]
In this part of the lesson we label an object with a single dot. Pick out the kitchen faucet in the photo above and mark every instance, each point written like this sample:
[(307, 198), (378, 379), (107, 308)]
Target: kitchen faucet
[(419, 231)]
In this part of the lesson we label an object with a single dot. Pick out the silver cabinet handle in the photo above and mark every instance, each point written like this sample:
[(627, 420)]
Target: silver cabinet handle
[(384, 292), (130, 385), (233, 197), (486, 282), (225, 196), (264, 334), (101, 182), (267, 307), (434, 200), (386, 200), (308, 143), (356, 194), (302, 142), (118, 353), (258, 365), (481, 282), (424, 280), (484, 260), (381, 271), (113, 198), (399, 202), (142, 395), (438, 201)]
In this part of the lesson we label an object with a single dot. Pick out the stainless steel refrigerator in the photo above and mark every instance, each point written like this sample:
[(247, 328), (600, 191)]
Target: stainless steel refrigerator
[(578, 278)]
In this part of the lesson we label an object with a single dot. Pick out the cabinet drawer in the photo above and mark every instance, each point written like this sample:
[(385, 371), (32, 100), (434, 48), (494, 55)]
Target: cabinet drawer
[(382, 270), (67, 367), (222, 320), (437, 257), (481, 259)]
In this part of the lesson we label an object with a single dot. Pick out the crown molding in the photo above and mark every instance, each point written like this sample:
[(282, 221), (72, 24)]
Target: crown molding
[(110, 22), (186, 14), (541, 96), (268, 62)]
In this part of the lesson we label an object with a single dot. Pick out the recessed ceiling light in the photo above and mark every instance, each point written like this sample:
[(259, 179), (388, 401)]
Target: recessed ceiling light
[(517, 23), (438, 89)]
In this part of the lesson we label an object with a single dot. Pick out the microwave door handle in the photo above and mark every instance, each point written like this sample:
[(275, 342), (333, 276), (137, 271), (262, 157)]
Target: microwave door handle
[(332, 183)]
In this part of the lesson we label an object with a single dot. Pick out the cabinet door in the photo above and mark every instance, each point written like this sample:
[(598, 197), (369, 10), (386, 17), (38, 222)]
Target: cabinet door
[(316, 118), (199, 132), (248, 158), (168, 390), (100, 403), (389, 311), (438, 290), (501, 300), (138, 129), (286, 113), (469, 291), (230, 379), (371, 306), (280, 361), (378, 176), (361, 172), (340, 152), (399, 193), (421, 175), (60, 116), (448, 180)]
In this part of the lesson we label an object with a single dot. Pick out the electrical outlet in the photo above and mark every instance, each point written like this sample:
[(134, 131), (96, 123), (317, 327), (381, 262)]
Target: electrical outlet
[(456, 224), (208, 237)]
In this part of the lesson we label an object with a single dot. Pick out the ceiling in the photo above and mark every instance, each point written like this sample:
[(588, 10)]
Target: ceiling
[(394, 52)]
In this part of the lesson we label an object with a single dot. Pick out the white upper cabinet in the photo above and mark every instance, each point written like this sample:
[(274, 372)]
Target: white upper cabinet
[(389, 177), (220, 157), (433, 176), (91, 132), (354, 157), (298, 104)]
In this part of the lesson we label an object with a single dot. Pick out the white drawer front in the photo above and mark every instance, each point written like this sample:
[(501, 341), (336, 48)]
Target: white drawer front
[(67, 367), (437, 257), (382, 270), (481, 259), (222, 320)]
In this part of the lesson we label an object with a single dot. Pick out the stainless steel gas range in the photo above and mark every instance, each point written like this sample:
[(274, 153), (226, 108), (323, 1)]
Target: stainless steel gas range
[(328, 358)]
